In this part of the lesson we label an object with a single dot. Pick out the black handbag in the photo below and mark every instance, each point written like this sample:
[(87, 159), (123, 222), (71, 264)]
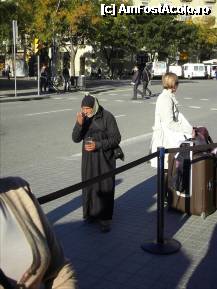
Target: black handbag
[(118, 153)]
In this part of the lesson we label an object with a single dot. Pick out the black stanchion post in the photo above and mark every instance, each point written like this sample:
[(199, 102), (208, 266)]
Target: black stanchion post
[(161, 246), (160, 195)]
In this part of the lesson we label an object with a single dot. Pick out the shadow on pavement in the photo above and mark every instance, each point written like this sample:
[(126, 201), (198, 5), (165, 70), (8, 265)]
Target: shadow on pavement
[(67, 208), (115, 260), (207, 268)]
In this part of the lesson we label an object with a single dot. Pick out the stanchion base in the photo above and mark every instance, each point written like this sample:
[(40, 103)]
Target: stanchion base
[(169, 246)]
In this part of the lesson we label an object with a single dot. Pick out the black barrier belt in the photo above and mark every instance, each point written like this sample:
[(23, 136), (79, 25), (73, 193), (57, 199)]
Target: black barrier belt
[(196, 148), (78, 186)]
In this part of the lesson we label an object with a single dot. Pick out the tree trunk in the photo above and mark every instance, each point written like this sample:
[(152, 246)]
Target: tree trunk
[(73, 51)]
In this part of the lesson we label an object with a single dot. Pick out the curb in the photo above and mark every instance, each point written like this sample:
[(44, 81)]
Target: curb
[(24, 98), (46, 96)]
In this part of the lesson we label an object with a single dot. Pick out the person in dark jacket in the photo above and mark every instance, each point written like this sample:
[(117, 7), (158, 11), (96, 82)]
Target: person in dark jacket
[(98, 130), (146, 77), (44, 78), (136, 81), (66, 77)]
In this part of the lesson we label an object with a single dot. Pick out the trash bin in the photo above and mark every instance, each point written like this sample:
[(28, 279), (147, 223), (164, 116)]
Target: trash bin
[(82, 82)]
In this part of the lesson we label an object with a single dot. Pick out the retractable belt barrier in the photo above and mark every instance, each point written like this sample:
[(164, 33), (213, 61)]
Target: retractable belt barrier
[(161, 245), (78, 186)]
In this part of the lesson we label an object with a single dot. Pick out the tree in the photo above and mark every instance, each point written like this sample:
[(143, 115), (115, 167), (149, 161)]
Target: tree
[(206, 38)]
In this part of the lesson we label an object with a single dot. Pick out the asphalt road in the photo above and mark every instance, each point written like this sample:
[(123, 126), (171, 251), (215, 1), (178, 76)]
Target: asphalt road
[(36, 135)]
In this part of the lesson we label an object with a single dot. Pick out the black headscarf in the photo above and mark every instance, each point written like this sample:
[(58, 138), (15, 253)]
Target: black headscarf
[(88, 101)]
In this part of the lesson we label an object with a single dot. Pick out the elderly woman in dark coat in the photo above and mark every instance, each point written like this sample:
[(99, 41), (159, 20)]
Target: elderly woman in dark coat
[(98, 130)]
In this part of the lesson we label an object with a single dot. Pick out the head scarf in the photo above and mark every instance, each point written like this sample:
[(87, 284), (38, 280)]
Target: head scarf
[(90, 101)]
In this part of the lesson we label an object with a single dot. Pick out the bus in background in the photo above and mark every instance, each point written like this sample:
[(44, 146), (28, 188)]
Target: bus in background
[(194, 70)]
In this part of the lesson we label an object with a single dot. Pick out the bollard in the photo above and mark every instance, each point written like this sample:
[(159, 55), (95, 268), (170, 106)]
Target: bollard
[(161, 246)]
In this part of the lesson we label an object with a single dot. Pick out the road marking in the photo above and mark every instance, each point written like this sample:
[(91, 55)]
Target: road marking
[(117, 90), (123, 143), (120, 115), (58, 98), (136, 101), (187, 97), (113, 94), (72, 97), (204, 99), (47, 112), (213, 108), (60, 110), (119, 100), (196, 107)]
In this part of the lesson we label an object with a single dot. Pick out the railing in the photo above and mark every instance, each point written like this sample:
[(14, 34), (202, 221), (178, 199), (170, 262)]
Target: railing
[(161, 245)]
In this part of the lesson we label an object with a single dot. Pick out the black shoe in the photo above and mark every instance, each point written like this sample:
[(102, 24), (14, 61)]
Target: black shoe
[(89, 220), (105, 226)]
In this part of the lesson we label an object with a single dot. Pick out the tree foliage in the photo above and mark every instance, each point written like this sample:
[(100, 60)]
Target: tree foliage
[(76, 23)]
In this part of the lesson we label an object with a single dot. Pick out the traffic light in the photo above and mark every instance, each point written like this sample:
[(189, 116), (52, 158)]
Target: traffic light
[(36, 45)]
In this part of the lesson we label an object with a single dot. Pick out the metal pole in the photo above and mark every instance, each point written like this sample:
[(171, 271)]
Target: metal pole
[(38, 61), (161, 245), (160, 192), (14, 24)]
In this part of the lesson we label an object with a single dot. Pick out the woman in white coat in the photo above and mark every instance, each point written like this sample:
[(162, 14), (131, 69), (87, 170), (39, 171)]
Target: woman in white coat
[(170, 126)]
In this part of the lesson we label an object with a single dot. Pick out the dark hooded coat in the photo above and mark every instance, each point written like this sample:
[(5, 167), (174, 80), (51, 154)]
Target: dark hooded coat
[(98, 199)]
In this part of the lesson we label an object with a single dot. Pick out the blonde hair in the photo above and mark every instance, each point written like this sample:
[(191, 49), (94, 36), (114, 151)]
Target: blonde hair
[(170, 80)]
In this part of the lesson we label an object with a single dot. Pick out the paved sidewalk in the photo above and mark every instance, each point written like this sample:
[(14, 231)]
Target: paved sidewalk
[(115, 260), (27, 89)]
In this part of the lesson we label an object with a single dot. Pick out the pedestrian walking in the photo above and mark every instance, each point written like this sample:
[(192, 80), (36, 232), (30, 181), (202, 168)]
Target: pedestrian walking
[(99, 73), (136, 81), (170, 126), (7, 71), (66, 77), (44, 78), (98, 130), (216, 73), (146, 77), (31, 256)]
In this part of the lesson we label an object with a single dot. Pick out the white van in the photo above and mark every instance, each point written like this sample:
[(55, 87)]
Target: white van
[(191, 70), (211, 66), (177, 69), (158, 68)]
